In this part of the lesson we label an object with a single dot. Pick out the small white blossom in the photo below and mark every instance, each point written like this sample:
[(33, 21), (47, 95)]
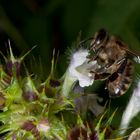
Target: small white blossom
[(135, 135), (137, 59), (43, 126), (78, 70), (132, 109)]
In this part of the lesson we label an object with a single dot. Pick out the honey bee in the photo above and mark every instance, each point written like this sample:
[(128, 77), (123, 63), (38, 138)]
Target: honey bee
[(114, 58)]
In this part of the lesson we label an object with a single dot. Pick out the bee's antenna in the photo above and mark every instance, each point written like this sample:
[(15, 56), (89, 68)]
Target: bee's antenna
[(84, 41)]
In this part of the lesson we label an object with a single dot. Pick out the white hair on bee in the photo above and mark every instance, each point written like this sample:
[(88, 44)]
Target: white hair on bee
[(132, 108)]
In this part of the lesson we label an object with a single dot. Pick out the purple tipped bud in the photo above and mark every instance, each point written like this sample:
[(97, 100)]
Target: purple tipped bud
[(12, 68), (78, 133), (30, 96), (29, 90), (94, 136), (14, 137), (54, 83), (8, 68), (18, 66), (29, 126)]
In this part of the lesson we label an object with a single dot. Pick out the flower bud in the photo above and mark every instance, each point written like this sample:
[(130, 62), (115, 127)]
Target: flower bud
[(29, 90)]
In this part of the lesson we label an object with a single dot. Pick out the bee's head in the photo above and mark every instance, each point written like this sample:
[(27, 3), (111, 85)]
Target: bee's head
[(98, 40)]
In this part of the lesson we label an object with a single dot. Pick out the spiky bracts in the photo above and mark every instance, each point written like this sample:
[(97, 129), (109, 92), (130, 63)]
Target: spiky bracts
[(27, 111), (35, 110)]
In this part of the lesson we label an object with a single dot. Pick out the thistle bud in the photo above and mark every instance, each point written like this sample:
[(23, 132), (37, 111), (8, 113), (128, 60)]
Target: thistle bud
[(12, 68), (13, 65), (30, 126), (54, 83), (78, 133), (29, 90)]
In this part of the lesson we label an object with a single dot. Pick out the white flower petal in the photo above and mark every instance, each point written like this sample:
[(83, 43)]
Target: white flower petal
[(79, 57), (132, 109), (43, 126), (79, 70)]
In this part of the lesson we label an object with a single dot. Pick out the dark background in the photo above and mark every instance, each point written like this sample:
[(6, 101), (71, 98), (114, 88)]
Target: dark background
[(56, 24)]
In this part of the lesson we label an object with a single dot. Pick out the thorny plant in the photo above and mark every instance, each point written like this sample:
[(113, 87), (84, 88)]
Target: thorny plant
[(36, 110)]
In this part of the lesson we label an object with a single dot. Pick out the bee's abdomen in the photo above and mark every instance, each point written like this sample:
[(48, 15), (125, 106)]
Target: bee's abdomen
[(128, 76), (118, 83)]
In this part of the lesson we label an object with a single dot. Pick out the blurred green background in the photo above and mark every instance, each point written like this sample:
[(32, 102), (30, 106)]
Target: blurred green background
[(56, 24)]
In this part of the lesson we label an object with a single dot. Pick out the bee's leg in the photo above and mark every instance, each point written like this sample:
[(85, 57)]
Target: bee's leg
[(117, 81), (104, 68), (121, 60), (95, 56), (119, 71), (92, 58), (122, 66)]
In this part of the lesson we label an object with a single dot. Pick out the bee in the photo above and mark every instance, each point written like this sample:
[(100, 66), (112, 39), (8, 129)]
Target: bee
[(114, 59)]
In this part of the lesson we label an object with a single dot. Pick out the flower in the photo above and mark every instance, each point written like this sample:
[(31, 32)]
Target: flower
[(43, 125), (135, 135), (78, 70), (132, 109)]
